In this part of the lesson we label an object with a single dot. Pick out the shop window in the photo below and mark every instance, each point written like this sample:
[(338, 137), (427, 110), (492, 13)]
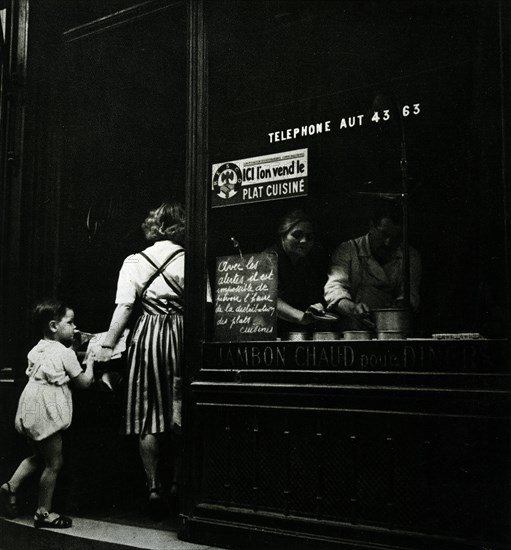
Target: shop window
[(331, 107)]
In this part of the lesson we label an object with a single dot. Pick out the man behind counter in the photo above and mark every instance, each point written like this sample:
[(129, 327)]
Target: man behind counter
[(367, 273)]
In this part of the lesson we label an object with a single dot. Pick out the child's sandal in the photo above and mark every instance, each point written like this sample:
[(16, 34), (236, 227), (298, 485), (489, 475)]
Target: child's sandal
[(8, 501), (60, 522)]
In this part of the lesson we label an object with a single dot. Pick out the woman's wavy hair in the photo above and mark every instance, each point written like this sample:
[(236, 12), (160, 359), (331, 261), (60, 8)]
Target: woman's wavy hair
[(166, 223), (291, 219)]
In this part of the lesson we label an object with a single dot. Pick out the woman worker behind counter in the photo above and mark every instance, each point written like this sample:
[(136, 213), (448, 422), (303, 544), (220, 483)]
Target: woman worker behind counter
[(301, 273)]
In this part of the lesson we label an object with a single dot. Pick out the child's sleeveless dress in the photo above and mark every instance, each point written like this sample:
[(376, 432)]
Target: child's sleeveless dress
[(45, 405)]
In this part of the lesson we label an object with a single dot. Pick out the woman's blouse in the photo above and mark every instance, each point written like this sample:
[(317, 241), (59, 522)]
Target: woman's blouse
[(300, 284), (136, 271)]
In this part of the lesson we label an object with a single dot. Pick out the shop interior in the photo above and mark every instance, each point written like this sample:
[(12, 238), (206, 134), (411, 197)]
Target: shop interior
[(278, 66)]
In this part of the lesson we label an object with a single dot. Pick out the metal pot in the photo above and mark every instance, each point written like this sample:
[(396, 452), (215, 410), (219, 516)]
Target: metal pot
[(393, 318), (390, 335), (326, 336), (357, 335), (298, 335)]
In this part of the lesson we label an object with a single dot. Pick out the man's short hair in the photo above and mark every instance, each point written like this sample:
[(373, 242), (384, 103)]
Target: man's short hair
[(391, 209)]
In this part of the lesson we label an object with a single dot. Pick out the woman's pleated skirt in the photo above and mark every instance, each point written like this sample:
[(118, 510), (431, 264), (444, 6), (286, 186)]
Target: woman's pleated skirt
[(154, 384)]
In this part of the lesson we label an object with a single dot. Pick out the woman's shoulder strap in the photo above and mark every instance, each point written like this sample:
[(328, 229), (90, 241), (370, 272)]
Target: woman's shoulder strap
[(161, 268)]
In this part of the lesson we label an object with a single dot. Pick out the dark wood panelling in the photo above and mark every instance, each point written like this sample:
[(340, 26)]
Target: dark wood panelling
[(370, 462)]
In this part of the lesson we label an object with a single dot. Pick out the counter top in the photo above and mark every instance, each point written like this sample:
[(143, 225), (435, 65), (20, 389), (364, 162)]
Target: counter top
[(411, 355)]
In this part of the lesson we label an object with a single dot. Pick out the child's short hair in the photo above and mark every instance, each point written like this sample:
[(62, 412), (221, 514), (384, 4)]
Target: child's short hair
[(48, 310)]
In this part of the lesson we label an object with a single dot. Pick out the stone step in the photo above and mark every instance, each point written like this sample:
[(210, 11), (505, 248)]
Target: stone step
[(88, 534)]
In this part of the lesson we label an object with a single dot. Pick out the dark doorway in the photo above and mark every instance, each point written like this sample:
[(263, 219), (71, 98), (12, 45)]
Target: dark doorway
[(109, 94), (123, 109)]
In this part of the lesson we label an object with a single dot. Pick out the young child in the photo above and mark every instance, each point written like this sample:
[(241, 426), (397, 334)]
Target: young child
[(45, 408)]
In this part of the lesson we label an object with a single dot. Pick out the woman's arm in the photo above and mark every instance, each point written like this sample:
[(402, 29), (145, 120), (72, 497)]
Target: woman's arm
[(118, 323), (291, 314)]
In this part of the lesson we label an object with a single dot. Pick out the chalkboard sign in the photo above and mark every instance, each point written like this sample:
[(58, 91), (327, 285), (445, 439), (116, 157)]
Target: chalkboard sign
[(246, 297)]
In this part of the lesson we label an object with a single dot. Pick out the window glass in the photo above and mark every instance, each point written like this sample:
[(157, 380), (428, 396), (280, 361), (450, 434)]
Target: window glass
[(333, 107)]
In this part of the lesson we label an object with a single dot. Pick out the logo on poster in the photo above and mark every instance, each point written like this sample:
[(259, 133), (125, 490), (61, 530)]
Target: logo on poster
[(281, 175), (227, 180)]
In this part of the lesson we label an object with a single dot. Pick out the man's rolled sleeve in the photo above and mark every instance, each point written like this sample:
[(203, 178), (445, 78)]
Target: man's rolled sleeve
[(338, 285)]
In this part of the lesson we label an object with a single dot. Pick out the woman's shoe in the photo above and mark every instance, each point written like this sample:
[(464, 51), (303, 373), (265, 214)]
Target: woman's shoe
[(157, 509), (8, 501), (60, 522)]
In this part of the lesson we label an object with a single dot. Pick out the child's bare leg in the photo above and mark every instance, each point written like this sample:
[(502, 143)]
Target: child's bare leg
[(50, 450), (27, 467)]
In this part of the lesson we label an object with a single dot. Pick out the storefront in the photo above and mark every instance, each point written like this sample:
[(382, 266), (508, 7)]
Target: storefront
[(249, 110), (326, 107)]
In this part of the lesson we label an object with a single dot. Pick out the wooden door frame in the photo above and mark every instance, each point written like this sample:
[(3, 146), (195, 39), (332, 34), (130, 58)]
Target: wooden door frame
[(12, 184), (196, 208)]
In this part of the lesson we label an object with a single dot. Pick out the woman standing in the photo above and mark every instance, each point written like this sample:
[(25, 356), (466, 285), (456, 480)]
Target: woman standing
[(301, 273), (154, 278)]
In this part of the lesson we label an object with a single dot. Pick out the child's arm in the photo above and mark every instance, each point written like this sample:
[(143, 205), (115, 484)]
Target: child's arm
[(85, 378)]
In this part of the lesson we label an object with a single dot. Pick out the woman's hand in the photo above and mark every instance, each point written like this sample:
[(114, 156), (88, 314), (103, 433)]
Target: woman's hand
[(313, 310), (102, 354), (103, 351), (307, 318), (317, 309)]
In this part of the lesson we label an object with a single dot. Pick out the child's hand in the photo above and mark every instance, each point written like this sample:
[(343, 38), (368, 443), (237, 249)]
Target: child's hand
[(91, 357)]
